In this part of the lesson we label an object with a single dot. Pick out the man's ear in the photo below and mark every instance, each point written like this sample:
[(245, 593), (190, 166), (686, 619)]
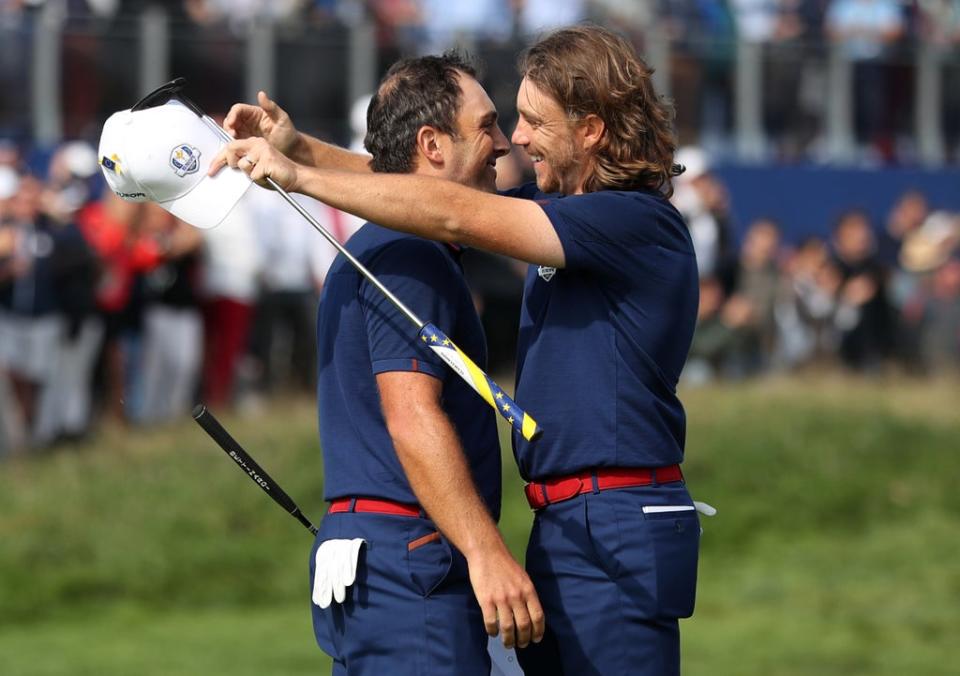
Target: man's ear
[(592, 128), (429, 144)]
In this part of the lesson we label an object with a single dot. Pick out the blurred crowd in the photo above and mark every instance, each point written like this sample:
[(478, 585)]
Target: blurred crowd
[(110, 309), (871, 297), (117, 309), (880, 40)]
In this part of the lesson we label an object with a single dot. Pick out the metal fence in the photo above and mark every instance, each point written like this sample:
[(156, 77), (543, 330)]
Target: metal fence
[(754, 102)]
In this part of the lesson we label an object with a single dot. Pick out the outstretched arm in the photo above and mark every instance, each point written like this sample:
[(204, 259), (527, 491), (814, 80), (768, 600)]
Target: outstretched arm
[(269, 121), (421, 205), (434, 463)]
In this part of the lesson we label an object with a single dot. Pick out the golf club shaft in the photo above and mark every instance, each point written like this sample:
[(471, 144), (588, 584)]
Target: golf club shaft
[(232, 448)]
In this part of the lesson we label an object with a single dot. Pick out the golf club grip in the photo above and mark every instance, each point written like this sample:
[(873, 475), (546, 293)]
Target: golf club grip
[(232, 448), (484, 385)]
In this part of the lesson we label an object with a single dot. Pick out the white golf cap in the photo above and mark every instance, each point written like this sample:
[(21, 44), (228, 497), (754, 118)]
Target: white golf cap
[(161, 155)]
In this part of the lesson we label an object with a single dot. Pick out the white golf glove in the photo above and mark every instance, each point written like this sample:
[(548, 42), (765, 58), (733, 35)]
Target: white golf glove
[(704, 508), (336, 569)]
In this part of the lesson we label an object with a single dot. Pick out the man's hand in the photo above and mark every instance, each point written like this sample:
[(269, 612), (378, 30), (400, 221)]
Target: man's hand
[(506, 597), (266, 120), (259, 160)]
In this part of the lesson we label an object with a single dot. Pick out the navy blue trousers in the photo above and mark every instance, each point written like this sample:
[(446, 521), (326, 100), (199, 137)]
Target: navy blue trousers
[(409, 611), (613, 580)]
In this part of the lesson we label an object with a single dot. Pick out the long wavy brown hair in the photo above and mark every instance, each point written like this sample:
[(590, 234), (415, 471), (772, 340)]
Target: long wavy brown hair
[(591, 70)]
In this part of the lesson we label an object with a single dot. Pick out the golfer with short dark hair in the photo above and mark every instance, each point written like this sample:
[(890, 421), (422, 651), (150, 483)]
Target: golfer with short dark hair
[(411, 454)]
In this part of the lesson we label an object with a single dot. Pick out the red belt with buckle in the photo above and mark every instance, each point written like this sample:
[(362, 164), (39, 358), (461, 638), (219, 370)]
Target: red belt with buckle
[(374, 506), (542, 493)]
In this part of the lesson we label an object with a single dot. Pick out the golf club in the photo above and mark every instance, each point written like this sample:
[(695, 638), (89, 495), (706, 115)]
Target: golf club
[(231, 447), (430, 334)]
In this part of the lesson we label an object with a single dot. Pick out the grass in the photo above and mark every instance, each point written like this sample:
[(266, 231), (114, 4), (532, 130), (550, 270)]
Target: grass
[(834, 550)]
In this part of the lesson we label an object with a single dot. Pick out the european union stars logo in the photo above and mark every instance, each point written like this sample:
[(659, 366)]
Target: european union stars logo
[(111, 163)]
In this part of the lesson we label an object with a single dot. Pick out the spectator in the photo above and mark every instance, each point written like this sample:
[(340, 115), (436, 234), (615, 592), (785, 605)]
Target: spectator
[(703, 201), (296, 258), (939, 27), (863, 317), (865, 31), (931, 316), (756, 290), (112, 227), (805, 311), (704, 37), (232, 263), (30, 326), (172, 324), (714, 334), (75, 270), (906, 216)]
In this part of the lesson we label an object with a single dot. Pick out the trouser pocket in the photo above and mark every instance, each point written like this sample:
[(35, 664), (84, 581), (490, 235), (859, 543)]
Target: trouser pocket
[(429, 558), (675, 538)]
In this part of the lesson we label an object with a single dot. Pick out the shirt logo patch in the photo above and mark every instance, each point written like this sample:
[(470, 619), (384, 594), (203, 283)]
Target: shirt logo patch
[(546, 272), (185, 159)]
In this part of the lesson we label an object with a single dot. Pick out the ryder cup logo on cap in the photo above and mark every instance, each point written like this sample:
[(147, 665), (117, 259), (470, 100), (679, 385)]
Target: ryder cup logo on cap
[(161, 155), (185, 159)]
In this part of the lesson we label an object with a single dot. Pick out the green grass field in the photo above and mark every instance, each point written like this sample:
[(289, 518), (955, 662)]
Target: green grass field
[(834, 551)]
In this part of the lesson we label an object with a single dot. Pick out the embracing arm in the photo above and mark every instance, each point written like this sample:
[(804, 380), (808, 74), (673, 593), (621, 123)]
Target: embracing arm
[(269, 121), (421, 205), (434, 463)]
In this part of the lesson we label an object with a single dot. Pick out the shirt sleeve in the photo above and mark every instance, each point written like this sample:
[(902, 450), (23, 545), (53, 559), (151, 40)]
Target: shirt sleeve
[(424, 278), (605, 232)]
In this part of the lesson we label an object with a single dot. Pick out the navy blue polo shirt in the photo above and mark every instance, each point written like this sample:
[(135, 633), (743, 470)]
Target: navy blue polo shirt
[(603, 340), (360, 334)]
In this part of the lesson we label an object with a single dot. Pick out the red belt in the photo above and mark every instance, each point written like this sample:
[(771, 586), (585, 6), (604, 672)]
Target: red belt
[(542, 493), (374, 506)]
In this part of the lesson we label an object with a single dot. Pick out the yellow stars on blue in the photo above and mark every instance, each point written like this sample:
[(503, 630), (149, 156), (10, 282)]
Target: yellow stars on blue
[(433, 338), (506, 407), (111, 163), (446, 341), (499, 395), (423, 338), (510, 420)]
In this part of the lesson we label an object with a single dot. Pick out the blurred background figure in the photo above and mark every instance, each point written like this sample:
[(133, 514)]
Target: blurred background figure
[(172, 323), (931, 314), (867, 32), (232, 264), (125, 253), (71, 188), (704, 203), (751, 307), (282, 353), (806, 308), (864, 317)]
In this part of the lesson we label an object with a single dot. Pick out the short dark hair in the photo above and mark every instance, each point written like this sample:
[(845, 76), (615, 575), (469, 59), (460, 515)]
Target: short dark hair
[(414, 92)]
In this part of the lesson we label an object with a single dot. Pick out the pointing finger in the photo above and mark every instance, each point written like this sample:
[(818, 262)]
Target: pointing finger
[(233, 116), (268, 105)]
